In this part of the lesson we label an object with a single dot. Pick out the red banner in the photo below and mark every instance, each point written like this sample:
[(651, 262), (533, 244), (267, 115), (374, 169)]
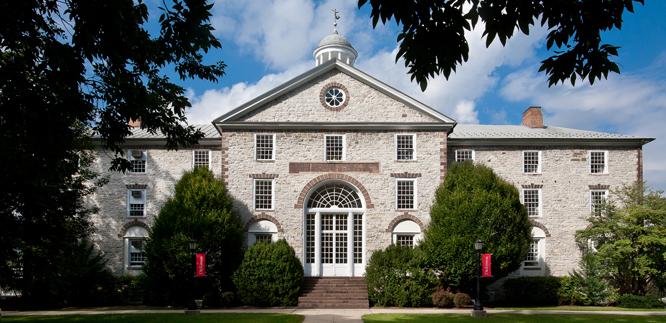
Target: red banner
[(486, 263), (201, 265)]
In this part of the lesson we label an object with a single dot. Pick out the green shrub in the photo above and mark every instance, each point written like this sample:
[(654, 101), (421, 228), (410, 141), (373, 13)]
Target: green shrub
[(572, 292), (588, 285), (130, 289), (396, 277), (532, 291), (200, 211), (442, 298), (270, 275), (462, 300), (638, 301), (474, 203)]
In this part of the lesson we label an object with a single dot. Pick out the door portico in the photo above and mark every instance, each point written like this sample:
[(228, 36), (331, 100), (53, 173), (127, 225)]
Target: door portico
[(334, 235)]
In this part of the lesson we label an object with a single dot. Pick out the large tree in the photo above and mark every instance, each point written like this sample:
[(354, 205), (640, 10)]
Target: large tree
[(433, 41), (474, 203), (629, 239), (69, 67)]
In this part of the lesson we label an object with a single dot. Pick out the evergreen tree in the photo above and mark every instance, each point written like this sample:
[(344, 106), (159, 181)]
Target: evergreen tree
[(199, 211), (474, 203)]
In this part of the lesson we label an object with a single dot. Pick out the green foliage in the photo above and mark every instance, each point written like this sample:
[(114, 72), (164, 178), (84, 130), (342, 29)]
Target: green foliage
[(200, 210), (432, 40), (532, 291), (630, 239), (130, 289), (442, 298), (587, 286), (270, 275), (396, 276), (474, 203), (461, 300), (638, 301)]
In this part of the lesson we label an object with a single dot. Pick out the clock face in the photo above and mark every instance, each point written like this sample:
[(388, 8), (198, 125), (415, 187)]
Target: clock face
[(335, 97)]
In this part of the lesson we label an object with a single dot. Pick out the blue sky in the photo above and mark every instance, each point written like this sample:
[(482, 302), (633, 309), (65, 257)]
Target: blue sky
[(265, 43)]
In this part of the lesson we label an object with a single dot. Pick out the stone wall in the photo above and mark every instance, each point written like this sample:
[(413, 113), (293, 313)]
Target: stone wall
[(566, 180), (163, 169)]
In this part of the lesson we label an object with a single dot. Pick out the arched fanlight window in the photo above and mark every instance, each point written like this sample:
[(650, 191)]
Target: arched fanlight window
[(261, 231), (407, 233), (335, 195)]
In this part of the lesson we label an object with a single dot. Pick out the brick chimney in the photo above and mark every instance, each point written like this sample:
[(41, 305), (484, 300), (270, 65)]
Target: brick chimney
[(533, 118), (135, 123)]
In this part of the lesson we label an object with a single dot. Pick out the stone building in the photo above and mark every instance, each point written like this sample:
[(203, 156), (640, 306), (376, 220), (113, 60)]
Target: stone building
[(340, 164)]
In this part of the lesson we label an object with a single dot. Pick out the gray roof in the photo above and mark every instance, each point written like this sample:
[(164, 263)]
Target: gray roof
[(464, 132), (208, 129)]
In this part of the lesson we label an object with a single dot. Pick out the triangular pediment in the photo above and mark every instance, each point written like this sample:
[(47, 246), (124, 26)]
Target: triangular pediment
[(300, 103)]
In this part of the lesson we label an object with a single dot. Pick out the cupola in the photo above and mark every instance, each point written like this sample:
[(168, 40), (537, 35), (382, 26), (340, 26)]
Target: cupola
[(335, 46)]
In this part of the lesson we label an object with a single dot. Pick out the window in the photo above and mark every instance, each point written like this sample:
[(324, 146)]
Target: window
[(264, 147), (404, 147), (598, 162), (137, 159), (201, 158), (533, 264), (263, 194), (261, 231), (406, 233), (597, 201), (135, 241), (532, 162), (464, 154), (406, 194), (335, 147), (532, 201), (334, 97), (136, 203)]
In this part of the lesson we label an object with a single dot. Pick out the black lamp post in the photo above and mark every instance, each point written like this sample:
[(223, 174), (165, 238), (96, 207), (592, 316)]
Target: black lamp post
[(195, 305), (478, 307)]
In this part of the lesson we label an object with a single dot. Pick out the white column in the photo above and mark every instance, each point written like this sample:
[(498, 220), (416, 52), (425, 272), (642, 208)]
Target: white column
[(317, 247), (350, 243)]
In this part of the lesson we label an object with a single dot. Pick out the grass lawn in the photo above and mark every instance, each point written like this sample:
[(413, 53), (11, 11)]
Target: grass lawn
[(161, 318), (583, 308), (509, 318)]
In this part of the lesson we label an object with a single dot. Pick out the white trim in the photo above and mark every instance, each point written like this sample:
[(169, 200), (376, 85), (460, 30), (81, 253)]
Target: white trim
[(344, 146), (540, 196), (395, 144), (455, 158), (539, 161), (144, 155), (209, 157), (255, 145), (144, 194), (415, 206), (591, 207), (589, 162), (254, 193)]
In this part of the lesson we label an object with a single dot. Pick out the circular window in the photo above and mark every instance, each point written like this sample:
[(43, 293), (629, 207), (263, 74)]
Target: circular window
[(334, 96)]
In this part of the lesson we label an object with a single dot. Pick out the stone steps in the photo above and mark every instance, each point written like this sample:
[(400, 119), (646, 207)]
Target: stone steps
[(334, 292)]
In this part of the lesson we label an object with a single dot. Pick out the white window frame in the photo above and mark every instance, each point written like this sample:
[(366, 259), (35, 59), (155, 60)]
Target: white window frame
[(257, 229), (540, 254), (539, 161), (589, 163), (254, 193), (129, 261), (130, 235), (144, 154), (538, 269), (274, 146), (400, 230), (395, 142), (456, 154), (145, 203), (209, 156), (344, 147), (592, 202), (522, 200), (415, 206)]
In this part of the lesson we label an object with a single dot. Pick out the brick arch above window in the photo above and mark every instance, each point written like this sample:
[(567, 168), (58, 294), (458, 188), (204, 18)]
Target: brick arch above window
[(333, 176), (264, 217), (405, 217), (540, 226), (133, 223)]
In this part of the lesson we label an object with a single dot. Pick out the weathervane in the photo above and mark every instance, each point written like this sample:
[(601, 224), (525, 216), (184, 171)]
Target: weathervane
[(336, 16)]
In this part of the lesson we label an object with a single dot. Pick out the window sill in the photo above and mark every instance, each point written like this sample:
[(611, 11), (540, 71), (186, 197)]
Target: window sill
[(598, 174), (539, 173), (406, 210), (264, 210), (265, 160), (405, 160), (135, 267), (136, 216)]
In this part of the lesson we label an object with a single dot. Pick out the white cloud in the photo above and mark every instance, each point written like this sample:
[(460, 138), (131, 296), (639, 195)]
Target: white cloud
[(632, 104), (465, 112)]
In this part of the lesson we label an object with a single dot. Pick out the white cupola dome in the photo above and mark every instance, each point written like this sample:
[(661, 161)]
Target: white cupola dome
[(335, 46)]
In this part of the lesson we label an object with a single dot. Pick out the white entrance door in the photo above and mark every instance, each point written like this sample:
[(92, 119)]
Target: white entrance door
[(334, 245)]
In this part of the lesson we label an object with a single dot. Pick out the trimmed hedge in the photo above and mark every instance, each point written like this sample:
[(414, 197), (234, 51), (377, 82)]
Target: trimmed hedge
[(462, 300), (396, 277), (637, 301), (442, 298), (532, 291), (270, 275)]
